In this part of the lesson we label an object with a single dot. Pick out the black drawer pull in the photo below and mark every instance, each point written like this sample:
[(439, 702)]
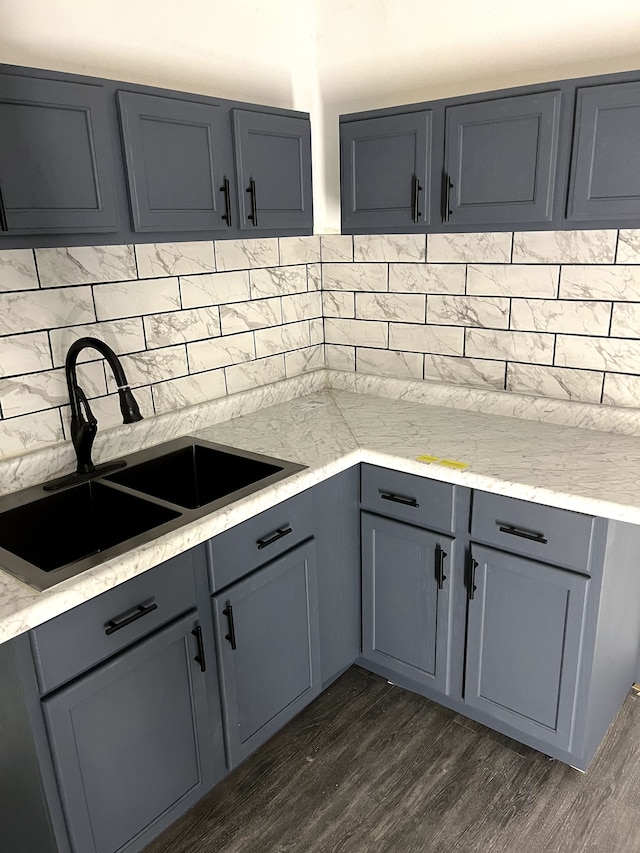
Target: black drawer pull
[(440, 575), (231, 636), (199, 658), (447, 186), (471, 589), (141, 610), (269, 540), (4, 225), (416, 189), (227, 202), (399, 499), (253, 216), (524, 534)]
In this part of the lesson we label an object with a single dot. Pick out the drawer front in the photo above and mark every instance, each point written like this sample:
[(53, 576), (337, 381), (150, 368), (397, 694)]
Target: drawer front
[(242, 549), (546, 533), (418, 500), (79, 639)]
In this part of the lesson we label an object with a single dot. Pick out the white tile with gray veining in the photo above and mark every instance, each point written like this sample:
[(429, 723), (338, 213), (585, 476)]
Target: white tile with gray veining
[(179, 327), (263, 371), (477, 372), (407, 307), (557, 315), (389, 247), (600, 282), (336, 303), (625, 322), (17, 270), (143, 368), (132, 298), (28, 432), (490, 247), (24, 354), (362, 333), (487, 311), (282, 338), (340, 357), (314, 277), (316, 331), (123, 336), (85, 265), (532, 347), (188, 390), (427, 278), (336, 248), (246, 254), (45, 309), (561, 383), (161, 259), (615, 354), (389, 362), (244, 316), (628, 246), (278, 281), (220, 352), (532, 280), (621, 389), (35, 392), (445, 340), (301, 306), (565, 247), (299, 250), (354, 277), (304, 360), (217, 289)]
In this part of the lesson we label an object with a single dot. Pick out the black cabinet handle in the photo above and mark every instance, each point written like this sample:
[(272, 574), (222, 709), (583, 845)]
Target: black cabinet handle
[(227, 201), (471, 589), (416, 213), (4, 225), (253, 216), (399, 499), (440, 575), (199, 658), (231, 636), (141, 610), (447, 186), (271, 538), (524, 534)]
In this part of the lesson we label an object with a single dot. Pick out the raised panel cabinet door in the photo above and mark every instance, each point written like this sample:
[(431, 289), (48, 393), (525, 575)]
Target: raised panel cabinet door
[(268, 645), (385, 172), (523, 643), (131, 741), (406, 580), (179, 163), (500, 160), (56, 173), (605, 162), (273, 167)]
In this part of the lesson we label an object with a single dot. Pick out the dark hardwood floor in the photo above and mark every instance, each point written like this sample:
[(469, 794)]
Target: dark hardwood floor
[(372, 768)]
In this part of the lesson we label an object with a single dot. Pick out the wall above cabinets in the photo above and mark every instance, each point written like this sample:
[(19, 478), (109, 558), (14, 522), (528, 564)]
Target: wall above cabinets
[(87, 161), (552, 156)]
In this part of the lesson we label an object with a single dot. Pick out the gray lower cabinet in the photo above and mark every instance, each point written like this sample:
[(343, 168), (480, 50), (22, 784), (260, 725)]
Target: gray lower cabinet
[(273, 168), (605, 166), (56, 166), (385, 166), (179, 163), (406, 577), (131, 741), (524, 641), (268, 646)]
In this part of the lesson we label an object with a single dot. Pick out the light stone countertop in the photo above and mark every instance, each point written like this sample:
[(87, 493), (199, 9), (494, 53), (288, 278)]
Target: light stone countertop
[(328, 431)]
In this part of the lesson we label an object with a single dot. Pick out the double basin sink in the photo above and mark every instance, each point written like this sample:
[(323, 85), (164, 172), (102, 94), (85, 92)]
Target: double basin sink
[(47, 537)]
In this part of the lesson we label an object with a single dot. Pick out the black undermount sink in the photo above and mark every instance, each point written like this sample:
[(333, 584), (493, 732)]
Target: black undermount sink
[(47, 537)]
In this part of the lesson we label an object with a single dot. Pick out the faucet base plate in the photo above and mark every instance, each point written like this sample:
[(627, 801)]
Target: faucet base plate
[(77, 477)]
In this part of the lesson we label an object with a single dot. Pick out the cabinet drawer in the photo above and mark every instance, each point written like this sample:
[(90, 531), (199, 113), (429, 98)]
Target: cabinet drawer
[(546, 533), (242, 549), (76, 641), (418, 500)]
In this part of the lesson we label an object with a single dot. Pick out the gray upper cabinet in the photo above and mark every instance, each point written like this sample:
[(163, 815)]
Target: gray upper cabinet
[(500, 164), (179, 163), (56, 173), (273, 167), (385, 168), (605, 168)]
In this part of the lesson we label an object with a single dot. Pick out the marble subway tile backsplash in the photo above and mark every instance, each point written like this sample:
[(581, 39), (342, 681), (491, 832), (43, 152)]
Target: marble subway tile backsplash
[(192, 321)]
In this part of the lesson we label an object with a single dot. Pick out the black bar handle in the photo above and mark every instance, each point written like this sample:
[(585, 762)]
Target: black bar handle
[(4, 225), (271, 538), (141, 610), (447, 186), (399, 499), (253, 216), (227, 201), (440, 575), (199, 658), (524, 534), (231, 636), (471, 589), (416, 189)]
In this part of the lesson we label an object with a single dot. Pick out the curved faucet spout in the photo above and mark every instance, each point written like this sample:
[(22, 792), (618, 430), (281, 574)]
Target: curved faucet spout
[(84, 425)]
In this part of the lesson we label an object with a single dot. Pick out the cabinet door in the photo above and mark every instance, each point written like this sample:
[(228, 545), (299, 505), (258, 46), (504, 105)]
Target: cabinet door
[(523, 643), (385, 166), (273, 167), (178, 158), (405, 609), (267, 633), (501, 160), (55, 157), (605, 164), (131, 741)]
